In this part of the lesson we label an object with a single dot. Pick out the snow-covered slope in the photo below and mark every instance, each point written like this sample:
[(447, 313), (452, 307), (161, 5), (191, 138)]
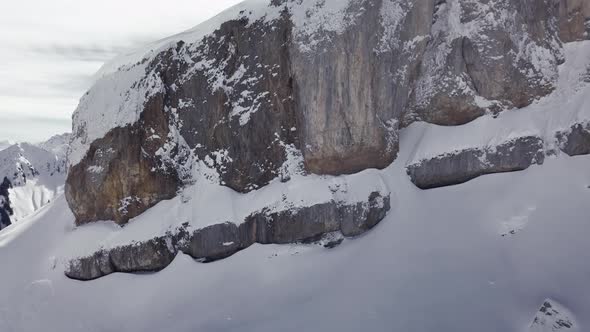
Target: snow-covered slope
[(485, 255), (36, 172)]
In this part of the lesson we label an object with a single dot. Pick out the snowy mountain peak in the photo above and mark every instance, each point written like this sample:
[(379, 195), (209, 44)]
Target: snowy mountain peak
[(36, 173), (57, 144)]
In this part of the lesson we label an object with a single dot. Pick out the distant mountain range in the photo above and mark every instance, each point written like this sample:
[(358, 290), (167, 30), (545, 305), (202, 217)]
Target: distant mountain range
[(31, 175)]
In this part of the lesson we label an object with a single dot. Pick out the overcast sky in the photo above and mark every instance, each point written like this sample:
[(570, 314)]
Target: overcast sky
[(50, 50)]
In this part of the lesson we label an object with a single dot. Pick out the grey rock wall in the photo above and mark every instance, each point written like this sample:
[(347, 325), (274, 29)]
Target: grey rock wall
[(575, 141), (304, 224), (5, 208)]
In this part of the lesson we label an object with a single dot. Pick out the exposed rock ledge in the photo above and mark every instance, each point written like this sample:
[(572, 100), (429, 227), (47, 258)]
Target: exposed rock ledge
[(462, 166), (553, 317), (513, 155), (576, 140), (306, 224)]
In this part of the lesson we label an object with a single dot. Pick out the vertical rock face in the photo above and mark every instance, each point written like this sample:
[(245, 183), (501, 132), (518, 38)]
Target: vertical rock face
[(23, 161), (574, 20), (486, 56), (5, 209), (272, 89)]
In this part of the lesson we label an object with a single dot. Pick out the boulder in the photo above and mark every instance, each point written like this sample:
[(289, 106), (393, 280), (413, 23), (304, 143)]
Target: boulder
[(461, 166), (574, 20), (90, 267), (576, 140)]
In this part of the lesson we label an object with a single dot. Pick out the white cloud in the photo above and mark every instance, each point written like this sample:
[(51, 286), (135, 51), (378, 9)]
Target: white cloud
[(50, 49)]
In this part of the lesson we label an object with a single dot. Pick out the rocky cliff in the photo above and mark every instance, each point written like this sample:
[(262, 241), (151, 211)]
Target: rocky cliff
[(270, 90), (5, 208), (574, 20), (330, 81)]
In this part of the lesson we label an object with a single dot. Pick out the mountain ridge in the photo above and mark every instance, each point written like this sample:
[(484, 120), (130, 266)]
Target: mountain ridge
[(34, 174)]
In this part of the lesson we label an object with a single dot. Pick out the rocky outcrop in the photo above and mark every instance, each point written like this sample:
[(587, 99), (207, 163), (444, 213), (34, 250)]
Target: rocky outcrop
[(5, 208), (121, 175), (553, 317), (576, 140), (299, 87), (574, 20), (461, 166), (302, 224)]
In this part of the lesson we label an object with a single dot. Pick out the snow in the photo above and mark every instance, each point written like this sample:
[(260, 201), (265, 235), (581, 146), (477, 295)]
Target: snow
[(57, 144), (437, 252), (114, 101), (554, 317), (117, 97), (392, 14), (313, 20), (453, 23)]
